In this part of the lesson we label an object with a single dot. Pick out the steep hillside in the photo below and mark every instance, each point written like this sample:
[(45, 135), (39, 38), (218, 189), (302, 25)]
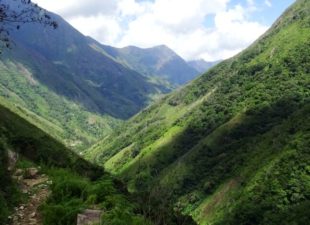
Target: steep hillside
[(74, 181), (32, 144), (74, 185), (63, 119), (59, 77), (70, 65), (201, 65), (157, 62), (232, 147)]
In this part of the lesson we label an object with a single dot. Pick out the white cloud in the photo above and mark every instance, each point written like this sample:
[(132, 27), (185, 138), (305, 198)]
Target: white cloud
[(251, 2), (180, 24), (101, 27), (73, 8), (185, 33), (131, 7), (268, 3)]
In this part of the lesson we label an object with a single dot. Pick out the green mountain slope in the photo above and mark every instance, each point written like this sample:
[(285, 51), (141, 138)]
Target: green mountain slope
[(232, 147), (17, 134), (69, 64), (159, 62), (75, 184), (63, 119)]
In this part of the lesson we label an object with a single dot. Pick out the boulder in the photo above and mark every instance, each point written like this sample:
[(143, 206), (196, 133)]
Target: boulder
[(89, 217), (12, 159), (18, 172), (31, 173)]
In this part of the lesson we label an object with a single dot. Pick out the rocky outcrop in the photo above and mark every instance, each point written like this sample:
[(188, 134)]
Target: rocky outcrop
[(12, 159), (31, 173), (89, 217)]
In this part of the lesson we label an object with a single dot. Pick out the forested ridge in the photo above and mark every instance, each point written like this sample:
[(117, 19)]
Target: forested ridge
[(232, 146)]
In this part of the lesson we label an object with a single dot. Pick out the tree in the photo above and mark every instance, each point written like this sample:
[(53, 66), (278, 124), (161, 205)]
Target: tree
[(15, 13)]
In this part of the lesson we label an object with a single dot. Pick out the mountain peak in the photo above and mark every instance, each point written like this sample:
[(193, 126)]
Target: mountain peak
[(159, 62), (162, 47)]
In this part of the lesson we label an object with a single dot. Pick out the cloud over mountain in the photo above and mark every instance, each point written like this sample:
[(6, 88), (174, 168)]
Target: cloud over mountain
[(206, 29)]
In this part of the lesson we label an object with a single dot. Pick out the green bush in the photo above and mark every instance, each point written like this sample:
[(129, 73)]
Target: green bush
[(71, 194), (4, 211), (9, 193), (62, 213)]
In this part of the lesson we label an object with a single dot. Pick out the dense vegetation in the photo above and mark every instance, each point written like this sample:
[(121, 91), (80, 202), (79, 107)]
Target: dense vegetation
[(76, 183), (63, 119), (35, 145), (232, 147), (16, 134), (72, 194), (9, 194)]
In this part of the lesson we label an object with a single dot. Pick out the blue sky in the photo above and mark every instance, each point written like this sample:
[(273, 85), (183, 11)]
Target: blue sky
[(266, 14), (208, 29)]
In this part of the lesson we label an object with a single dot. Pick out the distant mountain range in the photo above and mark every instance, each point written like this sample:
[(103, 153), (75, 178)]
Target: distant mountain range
[(157, 62), (69, 64), (106, 80), (201, 65), (57, 73)]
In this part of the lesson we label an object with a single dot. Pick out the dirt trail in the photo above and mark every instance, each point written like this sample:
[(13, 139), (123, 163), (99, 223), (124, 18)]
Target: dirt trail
[(37, 188)]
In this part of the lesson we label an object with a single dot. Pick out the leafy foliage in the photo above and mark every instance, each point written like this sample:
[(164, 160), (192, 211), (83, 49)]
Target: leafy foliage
[(9, 194), (71, 194), (17, 12)]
